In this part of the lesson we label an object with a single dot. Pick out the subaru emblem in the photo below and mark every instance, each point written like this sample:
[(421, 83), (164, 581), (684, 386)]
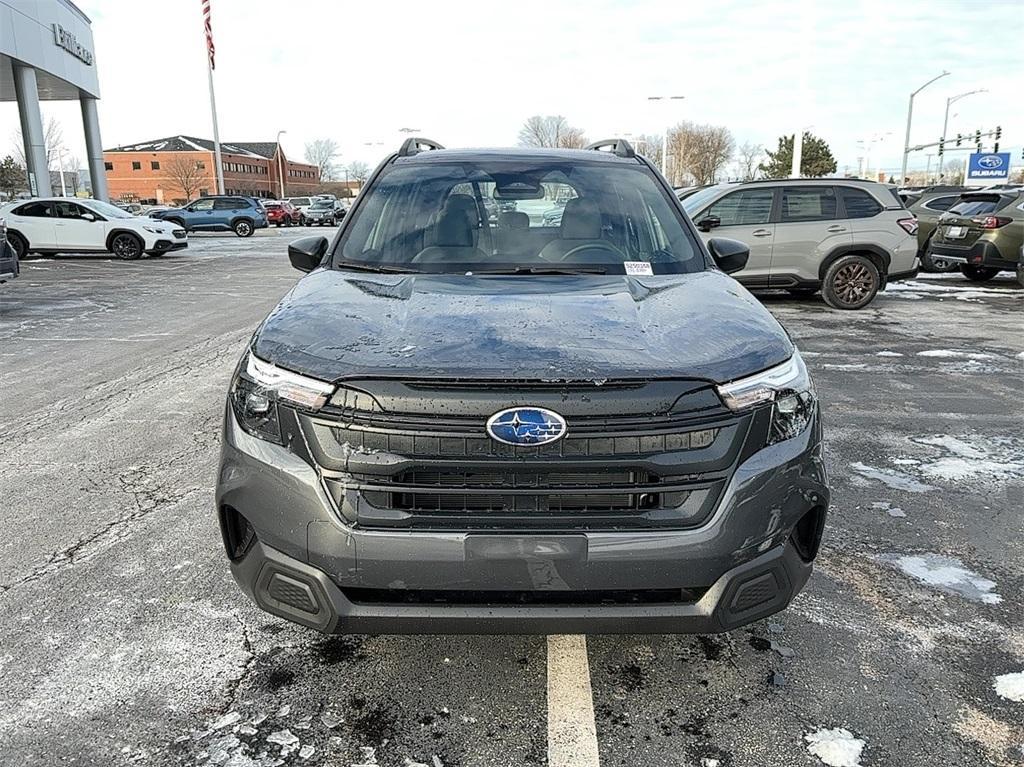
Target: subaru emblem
[(990, 161), (526, 426)]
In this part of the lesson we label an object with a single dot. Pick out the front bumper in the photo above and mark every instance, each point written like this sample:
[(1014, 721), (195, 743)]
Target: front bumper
[(166, 246), (981, 253), (747, 561)]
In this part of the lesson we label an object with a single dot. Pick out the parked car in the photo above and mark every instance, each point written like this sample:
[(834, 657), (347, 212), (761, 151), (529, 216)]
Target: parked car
[(586, 429), (150, 210), (134, 208), (281, 213), (982, 233), (927, 205), (216, 213), (845, 237), (63, 225), (9, 266), (301, 204), (323, 211)]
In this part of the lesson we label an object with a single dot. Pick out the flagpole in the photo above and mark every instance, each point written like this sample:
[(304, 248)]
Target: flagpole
[(216, 133), (208, 32)]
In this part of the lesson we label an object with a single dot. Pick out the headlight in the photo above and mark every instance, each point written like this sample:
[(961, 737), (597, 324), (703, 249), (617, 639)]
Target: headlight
[(258, 388), (788, 386), (155, 229)]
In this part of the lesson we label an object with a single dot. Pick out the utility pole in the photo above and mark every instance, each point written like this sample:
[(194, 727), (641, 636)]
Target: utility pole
[(664, 137), (945, 120), (280, 164), (910, 115), (798, 154)]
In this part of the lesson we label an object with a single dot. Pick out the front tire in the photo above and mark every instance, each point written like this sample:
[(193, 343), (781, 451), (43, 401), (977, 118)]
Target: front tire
[(127, 247), (243, 228), (851, 282), (18, 244), (978, 273)]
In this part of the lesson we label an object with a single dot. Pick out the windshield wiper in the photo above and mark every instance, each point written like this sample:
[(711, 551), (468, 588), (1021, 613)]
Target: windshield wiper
[(544, 270), (367, 267)]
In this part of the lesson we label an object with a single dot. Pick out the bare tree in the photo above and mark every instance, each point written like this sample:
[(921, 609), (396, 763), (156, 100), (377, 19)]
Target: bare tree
[(551, 131), (185, 173), (358, 171), (649, 146), (748, 157), (53, 140), (322, 153), (697, 153)]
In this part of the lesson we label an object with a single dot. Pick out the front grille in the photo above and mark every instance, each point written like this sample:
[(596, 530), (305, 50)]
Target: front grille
[(523, 491), (411, 455), (179, 233)]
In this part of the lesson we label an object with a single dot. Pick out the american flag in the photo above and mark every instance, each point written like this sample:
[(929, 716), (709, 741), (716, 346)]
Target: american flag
[(209, 31)]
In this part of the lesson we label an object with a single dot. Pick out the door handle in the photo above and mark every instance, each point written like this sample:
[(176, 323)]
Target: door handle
[(837, 228), (762, 232)]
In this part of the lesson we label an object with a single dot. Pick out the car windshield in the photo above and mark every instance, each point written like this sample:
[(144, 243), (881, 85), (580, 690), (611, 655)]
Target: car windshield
[(695, 201), (107, 210), (323, 204), (977, 206), (432, 217), (299, 201)]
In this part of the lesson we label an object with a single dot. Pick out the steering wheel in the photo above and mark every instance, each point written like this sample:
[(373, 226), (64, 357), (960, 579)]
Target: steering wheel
[(596, 245)]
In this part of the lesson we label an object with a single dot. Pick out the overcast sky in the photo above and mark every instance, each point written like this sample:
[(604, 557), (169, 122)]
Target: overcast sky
[(468, 74)]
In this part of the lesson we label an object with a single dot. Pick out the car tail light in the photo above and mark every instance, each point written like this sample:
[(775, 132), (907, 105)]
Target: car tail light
[(909, 225), (991, 222)]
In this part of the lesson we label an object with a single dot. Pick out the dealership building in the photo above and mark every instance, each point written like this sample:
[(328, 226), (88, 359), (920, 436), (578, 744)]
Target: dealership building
[(177, 169), (47, 54)]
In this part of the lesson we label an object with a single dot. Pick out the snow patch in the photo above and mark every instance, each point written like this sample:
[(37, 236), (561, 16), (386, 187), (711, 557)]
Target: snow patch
[(966, 459), (886, 353), (888, 508), (953, 354), (1010, 686), (946, 574), (836, 748), (893, 479)]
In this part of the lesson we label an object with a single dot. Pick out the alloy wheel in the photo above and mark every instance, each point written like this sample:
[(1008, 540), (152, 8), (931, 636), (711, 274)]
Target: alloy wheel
[(853, 283), (126, 246)]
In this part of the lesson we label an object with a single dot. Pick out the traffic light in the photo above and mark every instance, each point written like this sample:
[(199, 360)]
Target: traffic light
[(942, 147), (977, 136), (999, 132), (995, 148), (959, 138)]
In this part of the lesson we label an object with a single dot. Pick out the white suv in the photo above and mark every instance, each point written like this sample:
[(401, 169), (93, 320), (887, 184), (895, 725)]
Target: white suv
[(845, 237), (72, 225)]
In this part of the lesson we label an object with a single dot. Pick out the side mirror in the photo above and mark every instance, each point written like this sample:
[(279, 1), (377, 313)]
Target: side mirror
[(306, 253), (730, 255), (88, 217), (708, 223)]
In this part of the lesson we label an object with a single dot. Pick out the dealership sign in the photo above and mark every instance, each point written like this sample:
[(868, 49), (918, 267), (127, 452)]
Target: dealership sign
[(64, 39), (990, 168)]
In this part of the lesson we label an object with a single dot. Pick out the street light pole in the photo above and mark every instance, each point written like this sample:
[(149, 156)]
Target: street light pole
[(664, 136), (945, 120), (280, 165), (910, 114)]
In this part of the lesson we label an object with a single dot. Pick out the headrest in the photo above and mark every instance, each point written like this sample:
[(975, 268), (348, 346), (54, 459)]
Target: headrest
[(457, 221), (581, 220), (514, 219)]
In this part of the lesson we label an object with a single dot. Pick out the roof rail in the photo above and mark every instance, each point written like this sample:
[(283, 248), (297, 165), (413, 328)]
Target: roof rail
[(414, 145), (619, 146)]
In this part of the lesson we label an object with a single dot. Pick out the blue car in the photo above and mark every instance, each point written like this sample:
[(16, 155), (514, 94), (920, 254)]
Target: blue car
[(241, 215)]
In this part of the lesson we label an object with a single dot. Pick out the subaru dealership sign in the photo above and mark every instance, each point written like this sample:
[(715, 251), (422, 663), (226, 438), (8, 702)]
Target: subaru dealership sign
[(990, 168)]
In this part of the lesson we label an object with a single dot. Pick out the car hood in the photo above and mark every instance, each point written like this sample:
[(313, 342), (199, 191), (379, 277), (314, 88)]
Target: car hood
[(335, 325)]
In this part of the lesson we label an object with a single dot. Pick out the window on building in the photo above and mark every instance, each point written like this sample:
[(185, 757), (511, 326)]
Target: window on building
[(136, 166), (200, 165), (154, 165), (204, 192), (108, 166), (226, 166)]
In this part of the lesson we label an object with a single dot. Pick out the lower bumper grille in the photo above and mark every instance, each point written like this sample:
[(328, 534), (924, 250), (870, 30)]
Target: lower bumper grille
[(457, 597)]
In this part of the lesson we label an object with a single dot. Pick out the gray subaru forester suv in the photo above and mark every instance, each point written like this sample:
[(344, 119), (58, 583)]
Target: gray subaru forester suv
[(846, 237), (460, 424)]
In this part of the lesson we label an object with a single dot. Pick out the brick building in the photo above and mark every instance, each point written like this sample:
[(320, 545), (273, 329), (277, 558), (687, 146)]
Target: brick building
[(179, 168)]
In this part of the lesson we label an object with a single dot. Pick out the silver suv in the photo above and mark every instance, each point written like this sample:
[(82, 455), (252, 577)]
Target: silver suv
[(844, 237)]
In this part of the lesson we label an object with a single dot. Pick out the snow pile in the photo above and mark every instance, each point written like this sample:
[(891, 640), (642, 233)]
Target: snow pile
[(836, 748), (946, 574), (951, 354), (1010, 686)]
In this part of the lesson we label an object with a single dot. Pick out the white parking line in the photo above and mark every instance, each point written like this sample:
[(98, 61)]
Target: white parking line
[(572, 732)]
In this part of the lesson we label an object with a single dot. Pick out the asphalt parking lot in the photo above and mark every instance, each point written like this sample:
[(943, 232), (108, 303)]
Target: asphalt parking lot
[(123, 639)]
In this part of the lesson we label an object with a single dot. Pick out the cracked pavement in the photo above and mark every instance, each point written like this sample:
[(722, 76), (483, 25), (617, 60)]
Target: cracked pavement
[(123, 639)]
